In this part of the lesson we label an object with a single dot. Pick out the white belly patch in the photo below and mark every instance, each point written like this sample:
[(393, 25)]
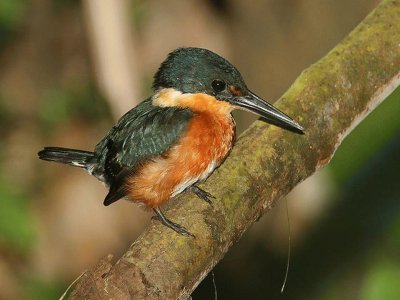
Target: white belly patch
[(189, 182)]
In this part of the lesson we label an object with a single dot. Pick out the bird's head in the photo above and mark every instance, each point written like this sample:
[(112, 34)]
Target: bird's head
[(200, 71)]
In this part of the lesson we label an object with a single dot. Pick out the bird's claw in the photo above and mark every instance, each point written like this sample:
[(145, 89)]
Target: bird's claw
[(202, 194), (174, 226), (180, 229)]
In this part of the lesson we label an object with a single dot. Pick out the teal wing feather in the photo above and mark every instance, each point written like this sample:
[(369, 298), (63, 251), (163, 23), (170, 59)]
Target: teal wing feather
[(145, 132)]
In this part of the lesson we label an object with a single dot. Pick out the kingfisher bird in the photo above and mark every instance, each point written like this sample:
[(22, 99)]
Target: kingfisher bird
[(176, 138)]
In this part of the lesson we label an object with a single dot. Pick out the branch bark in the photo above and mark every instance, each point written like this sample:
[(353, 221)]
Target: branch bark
[(329, 99)]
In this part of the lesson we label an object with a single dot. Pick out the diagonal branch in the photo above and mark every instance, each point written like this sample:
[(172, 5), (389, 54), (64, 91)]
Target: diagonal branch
[(329, 99)]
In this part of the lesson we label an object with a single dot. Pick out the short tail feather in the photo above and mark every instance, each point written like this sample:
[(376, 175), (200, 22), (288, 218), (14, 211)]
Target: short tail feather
[(73, 157)]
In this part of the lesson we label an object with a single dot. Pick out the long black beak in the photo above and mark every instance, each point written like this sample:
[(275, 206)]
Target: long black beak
[(251, 102)]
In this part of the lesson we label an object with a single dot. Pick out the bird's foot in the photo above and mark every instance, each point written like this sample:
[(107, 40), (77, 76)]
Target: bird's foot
[(202, 194), (174, 226)]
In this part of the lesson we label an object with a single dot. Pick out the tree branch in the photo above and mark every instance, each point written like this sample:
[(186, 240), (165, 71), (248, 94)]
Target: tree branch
[(329, 99)]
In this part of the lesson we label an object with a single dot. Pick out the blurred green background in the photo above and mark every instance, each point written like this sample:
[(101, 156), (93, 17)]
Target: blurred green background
[(69, 69)]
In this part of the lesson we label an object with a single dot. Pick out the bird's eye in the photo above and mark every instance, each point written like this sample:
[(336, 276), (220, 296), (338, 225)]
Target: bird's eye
[(218, 85)]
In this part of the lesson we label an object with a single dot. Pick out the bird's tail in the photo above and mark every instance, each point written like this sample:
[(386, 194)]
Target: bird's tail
[(73, 157)]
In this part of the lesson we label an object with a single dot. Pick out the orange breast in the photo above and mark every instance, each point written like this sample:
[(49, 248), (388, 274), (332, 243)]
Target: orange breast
[(207, 142)]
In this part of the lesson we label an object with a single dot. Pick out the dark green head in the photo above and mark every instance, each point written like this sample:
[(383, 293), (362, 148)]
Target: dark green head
[(193, 70), (197, 70)]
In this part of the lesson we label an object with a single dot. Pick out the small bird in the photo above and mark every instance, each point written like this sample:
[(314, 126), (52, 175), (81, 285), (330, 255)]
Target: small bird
[(176, 138)]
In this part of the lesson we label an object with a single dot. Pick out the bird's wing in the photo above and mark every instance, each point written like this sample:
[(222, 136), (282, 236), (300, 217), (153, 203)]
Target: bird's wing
[(144, 132)]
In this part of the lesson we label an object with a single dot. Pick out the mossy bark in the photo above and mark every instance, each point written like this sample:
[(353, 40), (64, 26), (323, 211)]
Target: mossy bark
[(328, 99)]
